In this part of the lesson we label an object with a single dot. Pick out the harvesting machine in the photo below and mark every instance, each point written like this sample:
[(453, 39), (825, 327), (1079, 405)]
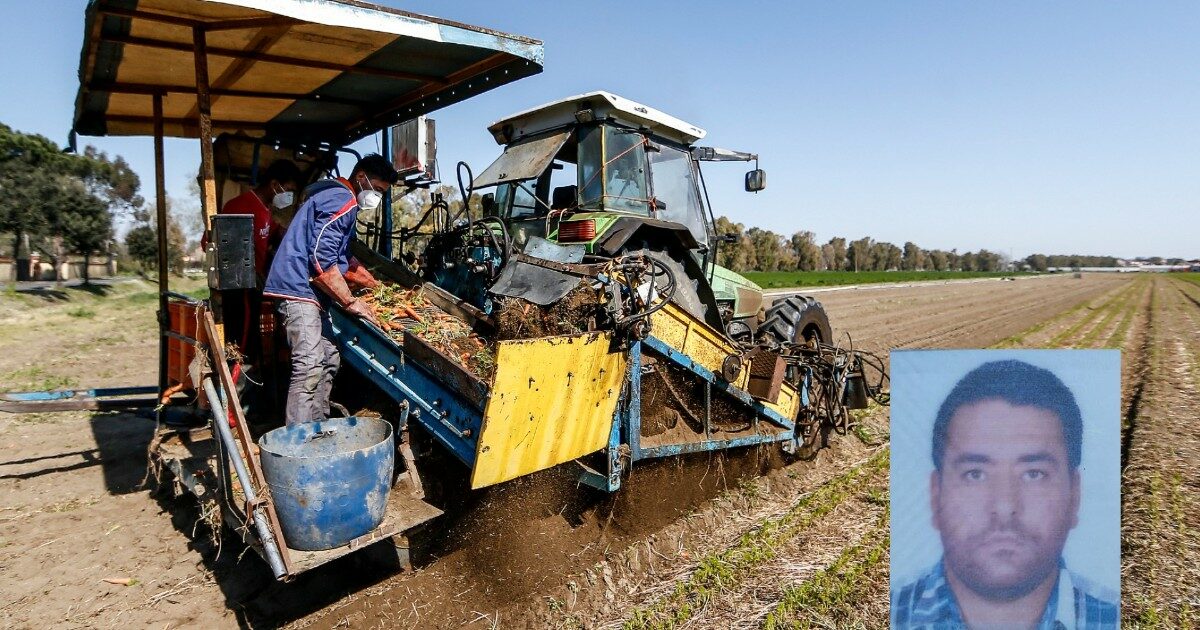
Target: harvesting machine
[(600, 332)]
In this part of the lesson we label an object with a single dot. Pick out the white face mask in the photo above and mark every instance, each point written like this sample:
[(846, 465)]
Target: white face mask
[(369, 198), (283, 199)]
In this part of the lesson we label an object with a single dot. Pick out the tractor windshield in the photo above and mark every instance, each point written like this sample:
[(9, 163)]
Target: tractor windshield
[(676, 196), (597, 167), (612, 170)]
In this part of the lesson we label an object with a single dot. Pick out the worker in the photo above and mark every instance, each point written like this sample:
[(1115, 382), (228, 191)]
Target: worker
[(309, 276), (241, 309)]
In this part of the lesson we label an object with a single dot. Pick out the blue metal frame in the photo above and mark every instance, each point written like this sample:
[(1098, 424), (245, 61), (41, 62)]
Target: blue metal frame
[(68, 394), (455, 421), (686, 362), (628, 422), (448, 416)]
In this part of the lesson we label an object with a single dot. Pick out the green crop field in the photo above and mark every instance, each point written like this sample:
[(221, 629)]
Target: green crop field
[(1190, 276), (789, 279)]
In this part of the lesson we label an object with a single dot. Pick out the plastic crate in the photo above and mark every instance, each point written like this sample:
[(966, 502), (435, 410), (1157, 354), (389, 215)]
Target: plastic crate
[(184, 321)]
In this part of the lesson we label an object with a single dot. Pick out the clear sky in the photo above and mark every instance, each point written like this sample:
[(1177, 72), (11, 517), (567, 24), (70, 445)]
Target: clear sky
[(1020, 127)]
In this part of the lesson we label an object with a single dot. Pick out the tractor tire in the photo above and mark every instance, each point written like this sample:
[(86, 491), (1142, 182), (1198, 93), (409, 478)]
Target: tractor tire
[(797, 319)]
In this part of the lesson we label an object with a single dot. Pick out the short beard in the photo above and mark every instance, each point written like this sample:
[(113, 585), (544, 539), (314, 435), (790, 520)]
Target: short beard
[(974, 577)]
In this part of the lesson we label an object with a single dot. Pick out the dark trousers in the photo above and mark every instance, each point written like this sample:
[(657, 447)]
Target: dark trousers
[(315, 360)]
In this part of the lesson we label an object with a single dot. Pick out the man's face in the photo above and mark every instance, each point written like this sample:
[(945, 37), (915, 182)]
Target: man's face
[(1005, 499), (363, 182)]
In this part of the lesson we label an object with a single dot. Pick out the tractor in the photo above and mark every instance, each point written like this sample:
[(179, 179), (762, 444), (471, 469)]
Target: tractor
[(606, 176)]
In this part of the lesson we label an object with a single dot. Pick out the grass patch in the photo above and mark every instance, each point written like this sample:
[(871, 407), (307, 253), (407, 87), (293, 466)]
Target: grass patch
[(199, 294), (790, 279), (142, 297), (36, 378), (720, 570), (82, 312), (1191, 276)]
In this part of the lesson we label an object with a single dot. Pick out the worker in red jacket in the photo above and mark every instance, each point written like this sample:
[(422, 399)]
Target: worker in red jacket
[(241, 309)]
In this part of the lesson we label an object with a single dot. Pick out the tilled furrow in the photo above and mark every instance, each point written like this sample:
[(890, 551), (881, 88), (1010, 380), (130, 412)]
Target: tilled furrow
[(953, 329), (720, 573), (1161, 483), (799, 558), (1092, 315), (849, 593), (894, 318), (1057, 331), (1138, 312), (1107, 318)]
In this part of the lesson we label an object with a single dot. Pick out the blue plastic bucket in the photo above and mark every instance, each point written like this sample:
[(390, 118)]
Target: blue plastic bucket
[(329, 480)]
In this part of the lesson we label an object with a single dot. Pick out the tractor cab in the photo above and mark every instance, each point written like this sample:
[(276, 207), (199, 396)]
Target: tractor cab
[(611, 174), (596, 158)]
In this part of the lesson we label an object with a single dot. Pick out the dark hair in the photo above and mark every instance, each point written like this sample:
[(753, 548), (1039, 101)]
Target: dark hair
[(1018, 384), (376, 167), (282, 171)]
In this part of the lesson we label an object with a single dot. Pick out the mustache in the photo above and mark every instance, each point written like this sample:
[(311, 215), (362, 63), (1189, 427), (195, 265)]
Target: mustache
[(1010, 532)]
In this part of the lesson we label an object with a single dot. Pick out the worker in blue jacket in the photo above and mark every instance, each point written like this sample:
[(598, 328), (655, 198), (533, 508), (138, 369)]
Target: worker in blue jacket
[(309, 274)]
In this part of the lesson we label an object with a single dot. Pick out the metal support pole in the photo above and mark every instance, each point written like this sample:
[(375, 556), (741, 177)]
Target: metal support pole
[(385, 237), (160, 202), (208, 178), (221, 421)]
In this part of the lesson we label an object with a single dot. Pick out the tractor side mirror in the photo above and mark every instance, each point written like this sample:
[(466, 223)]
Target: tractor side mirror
[(488, 204), (756, 180)]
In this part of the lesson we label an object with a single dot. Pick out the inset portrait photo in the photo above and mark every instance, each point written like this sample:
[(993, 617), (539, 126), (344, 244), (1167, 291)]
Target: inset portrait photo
[(1005, 489)]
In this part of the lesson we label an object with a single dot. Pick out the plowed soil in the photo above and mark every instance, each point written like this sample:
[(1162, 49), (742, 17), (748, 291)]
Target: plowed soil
[(738, 540)]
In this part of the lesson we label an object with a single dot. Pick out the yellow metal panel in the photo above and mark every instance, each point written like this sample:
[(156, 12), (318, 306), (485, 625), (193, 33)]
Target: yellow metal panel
[(675, 327), (788, 404), (678, 329), (552, 400)]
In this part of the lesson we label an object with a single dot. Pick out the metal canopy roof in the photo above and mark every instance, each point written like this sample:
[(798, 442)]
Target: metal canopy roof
[(603, 105), (304, 70)]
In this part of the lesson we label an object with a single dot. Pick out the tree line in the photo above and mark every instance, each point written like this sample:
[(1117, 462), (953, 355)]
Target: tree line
[(58, 202), (757, 249)]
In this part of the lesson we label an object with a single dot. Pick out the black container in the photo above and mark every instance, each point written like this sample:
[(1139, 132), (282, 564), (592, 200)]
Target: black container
[(231, 255)]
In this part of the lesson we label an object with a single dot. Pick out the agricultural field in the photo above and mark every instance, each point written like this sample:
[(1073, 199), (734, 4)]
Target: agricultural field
[(735, 541), (793, 279)]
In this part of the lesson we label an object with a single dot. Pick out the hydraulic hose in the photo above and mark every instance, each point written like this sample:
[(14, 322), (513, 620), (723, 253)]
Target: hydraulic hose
[(465, 191)]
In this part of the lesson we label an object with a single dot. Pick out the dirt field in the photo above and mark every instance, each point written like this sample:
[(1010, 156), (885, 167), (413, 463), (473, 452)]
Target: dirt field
[(709, 541)]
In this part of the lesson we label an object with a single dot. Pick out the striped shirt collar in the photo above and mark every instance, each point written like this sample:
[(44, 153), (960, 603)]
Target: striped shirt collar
[(929, 603)]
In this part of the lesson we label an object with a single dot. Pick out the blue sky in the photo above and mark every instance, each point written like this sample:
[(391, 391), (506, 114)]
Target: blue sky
[(1019, 127)]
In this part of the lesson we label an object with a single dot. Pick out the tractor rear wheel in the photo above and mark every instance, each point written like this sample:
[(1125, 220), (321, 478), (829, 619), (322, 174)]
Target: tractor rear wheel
[(797, 319)]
